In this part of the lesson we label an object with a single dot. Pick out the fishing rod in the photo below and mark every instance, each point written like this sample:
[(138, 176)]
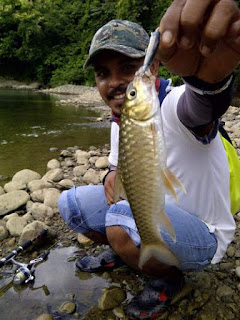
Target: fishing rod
[(22, 247)]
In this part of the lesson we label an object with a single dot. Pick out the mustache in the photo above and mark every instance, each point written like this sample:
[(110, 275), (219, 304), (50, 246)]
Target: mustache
[(118, 90)]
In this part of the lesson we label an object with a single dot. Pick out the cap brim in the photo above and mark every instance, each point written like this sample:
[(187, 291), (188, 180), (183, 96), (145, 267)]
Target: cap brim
[(127, 51)]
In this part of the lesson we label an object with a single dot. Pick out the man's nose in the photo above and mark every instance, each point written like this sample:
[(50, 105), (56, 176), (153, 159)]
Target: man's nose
[(115, 81)]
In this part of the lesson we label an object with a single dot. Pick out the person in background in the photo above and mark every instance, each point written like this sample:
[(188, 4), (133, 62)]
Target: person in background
[(200, 41)]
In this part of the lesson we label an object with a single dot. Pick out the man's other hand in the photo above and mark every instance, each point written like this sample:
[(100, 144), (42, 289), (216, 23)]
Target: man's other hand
[(109, 186)]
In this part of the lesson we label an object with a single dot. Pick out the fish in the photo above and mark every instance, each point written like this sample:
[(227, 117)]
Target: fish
[(142, 175)]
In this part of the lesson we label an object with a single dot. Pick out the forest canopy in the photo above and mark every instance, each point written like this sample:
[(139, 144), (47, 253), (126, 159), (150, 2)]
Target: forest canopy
[(48, 41)]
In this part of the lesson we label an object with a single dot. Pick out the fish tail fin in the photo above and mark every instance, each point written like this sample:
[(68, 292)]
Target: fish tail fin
[(158, 251)]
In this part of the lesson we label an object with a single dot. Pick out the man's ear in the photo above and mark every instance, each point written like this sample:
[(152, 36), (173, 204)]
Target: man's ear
[(154, 67)]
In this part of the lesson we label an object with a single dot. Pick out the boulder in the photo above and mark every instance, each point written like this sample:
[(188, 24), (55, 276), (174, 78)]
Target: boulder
[(82, 157), (40, 211), (102, 174), (111, 298), (53, 175), (91, 176), (53, 164), (14, 185), (3, 233), (102, 163), (26, 176), (38, 185), (15, 226), (31, 231), (37, 196), (12, 200), (84, 240), (66, 183), (51, 197), (80, 170)]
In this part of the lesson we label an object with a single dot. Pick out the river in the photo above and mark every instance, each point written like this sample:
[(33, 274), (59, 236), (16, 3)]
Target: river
[(31, 123)]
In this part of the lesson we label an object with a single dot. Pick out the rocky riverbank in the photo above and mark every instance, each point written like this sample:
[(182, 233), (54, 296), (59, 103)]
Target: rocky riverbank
[(28, 203)]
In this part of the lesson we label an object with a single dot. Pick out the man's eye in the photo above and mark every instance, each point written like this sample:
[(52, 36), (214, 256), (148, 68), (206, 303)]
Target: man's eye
[(100, 73), (129, 67)]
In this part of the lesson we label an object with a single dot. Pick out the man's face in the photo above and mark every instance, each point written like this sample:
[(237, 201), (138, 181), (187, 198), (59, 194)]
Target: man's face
[(113, 72)]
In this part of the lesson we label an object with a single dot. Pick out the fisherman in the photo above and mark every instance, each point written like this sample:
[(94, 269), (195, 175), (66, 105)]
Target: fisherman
[(200, 41)]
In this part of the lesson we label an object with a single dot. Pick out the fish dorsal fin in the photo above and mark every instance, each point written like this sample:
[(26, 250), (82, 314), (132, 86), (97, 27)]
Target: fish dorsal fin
[(119, 191), (164, 221), (174, 180)]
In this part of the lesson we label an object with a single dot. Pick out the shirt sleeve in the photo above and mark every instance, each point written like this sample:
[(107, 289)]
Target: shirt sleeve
[(113, 157), (198, 107)]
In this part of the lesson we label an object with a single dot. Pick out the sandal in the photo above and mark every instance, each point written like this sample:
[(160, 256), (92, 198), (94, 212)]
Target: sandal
[(153, 300), (105, 261)]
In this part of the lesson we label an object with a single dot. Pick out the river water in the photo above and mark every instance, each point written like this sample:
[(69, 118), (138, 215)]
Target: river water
[(31, 123)]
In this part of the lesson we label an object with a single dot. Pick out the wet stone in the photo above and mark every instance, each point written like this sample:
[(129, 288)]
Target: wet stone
[(53, 149), (231, 251), (45, 316), (118, 312), (203, 280), (238, 272), (224, 291), (67, 307), (111, 298), (226, 266), (237, 254)]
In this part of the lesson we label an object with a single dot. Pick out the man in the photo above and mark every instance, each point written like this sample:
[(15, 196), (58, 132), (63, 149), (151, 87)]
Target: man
[(200, 42)]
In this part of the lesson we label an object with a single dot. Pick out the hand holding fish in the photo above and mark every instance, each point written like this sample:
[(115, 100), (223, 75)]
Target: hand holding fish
[(109, 186), (201, 38)]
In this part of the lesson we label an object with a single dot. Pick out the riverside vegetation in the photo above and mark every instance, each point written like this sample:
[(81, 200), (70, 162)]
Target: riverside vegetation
[(213, 294), (48, 41)]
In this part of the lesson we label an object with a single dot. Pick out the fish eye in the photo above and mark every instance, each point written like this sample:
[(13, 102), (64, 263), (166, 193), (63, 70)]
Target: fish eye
[(132, 94)]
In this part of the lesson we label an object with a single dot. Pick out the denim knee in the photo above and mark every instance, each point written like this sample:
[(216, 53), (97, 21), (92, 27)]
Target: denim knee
[(70, 211)]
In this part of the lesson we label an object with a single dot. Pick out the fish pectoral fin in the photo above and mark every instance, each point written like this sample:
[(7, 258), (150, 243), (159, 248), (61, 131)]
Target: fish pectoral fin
[(174, 180), (168, 184), (163, 220), (119, 191), (170, 180)]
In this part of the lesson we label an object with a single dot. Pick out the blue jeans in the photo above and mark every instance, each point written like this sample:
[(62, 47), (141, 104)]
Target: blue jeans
[(85, 209)]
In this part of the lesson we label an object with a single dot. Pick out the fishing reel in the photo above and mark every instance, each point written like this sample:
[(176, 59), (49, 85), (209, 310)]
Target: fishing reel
[(23, 275), (25, 272)]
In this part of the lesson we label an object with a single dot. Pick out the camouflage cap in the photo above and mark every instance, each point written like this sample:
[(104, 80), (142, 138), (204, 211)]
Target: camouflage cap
[(123, 36)]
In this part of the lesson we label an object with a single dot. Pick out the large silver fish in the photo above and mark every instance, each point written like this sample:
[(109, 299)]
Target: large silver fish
[(142, 175)]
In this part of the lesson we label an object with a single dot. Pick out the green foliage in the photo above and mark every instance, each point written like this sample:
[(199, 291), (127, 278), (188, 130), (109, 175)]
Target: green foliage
[(165, 74), (48, 40)]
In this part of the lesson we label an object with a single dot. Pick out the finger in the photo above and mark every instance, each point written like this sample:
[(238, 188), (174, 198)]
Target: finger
[(169, 28), (109, 198), (191, 19), (218, 23), (169, 24), (233, 36)]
